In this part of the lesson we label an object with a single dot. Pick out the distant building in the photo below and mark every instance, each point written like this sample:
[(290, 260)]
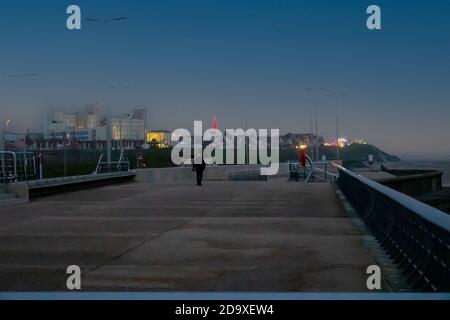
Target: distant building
[(70, 120), (141, 114), (58, 124), (80, 126), (159, 138), (357, 141), (293, 140), (81, 135), (127, 129), (81, 120), (92, 121), (88, 130), (55, 121)]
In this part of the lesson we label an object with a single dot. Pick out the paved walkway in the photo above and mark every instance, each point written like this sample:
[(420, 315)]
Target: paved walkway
[(225, 236)]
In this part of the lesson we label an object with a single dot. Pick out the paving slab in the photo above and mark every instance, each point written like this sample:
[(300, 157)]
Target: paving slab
[(224, 236)]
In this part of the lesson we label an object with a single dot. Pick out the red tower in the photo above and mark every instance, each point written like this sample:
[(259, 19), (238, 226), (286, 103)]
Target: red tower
[(215, 124)]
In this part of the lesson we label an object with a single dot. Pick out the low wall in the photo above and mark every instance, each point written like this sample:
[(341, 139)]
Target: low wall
[(170, 175), (414, 183), (39, 188), (19, 190)]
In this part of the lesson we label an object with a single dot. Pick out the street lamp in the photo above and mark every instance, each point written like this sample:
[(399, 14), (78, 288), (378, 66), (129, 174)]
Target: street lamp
[(118, 20), (66, 140), (2, 139), (337, 96), (315, 92)]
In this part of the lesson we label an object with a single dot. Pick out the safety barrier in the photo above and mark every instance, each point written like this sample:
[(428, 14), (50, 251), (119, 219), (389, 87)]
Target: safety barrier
[(8, 167), (320, 171), (17, 166), (123, 165), (247, 175), (415, 235)]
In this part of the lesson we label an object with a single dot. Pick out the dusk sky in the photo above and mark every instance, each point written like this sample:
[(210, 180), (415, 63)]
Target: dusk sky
[(246, 62)]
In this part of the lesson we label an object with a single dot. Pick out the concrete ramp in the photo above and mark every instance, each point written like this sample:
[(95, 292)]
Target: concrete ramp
[(225, 236)]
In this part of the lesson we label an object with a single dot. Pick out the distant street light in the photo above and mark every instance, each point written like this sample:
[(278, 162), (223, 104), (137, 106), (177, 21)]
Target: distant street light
[(315, 92), (337, 96)]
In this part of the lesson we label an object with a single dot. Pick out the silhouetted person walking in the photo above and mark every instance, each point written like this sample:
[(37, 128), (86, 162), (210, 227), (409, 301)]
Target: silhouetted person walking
[(199, 169)]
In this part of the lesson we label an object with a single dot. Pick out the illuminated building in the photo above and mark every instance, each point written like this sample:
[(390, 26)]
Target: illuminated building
[(159, 138), (127, 129)]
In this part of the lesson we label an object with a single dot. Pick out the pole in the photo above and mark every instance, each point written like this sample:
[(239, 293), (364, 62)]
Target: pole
[(2, 139), (40, 157), (337, 130), (108, 138), (312, 134), (317, 132), (65, 159), (315, 93), (108, 128)]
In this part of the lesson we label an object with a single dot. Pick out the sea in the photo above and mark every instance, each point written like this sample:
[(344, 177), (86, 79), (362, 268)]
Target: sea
[(442, 165)]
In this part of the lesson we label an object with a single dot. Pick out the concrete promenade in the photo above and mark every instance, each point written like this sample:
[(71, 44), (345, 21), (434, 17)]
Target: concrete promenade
[(225, 236)]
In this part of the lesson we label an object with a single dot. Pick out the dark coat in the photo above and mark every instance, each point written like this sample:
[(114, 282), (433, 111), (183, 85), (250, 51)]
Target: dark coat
[(199, 167)]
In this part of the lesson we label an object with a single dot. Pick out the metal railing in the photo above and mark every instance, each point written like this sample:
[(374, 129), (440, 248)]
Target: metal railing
[(415, 235), (324, 171), (246, 175), (321, 171), (299, 173), (26, 166), (8, 167), (123, 165), (17, 166)]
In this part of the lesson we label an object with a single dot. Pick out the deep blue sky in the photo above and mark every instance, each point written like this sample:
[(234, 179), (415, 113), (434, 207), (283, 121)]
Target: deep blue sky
[(246, 62)]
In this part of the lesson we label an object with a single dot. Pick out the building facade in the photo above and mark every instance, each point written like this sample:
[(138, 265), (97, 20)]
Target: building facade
[(127, 129), (159, 138)]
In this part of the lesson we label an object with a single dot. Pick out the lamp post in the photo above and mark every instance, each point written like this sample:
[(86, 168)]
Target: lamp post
[(315, 92), (66, 138), (2, 139), (106, 21), (337, 96)]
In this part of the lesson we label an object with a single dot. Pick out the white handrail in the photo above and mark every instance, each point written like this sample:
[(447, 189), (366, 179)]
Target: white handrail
[(113, 163), (99, 162)]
